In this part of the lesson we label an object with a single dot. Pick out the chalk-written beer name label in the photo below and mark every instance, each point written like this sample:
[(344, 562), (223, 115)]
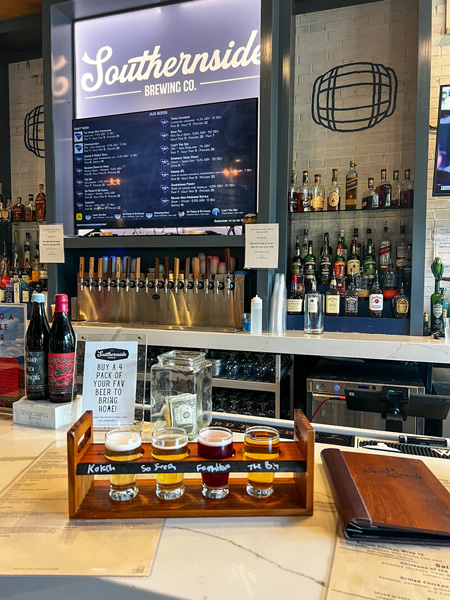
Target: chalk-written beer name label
[(269, 466), (217, 468)]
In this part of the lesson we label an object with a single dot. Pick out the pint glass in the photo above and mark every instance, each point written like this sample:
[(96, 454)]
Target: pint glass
[(123, 445), (261, 443), (215, 443), (169, 444)]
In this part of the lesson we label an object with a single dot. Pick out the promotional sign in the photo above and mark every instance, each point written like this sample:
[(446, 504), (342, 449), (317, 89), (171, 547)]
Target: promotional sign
[(109, 382), (177, 55), (13, 325), (261, 246)]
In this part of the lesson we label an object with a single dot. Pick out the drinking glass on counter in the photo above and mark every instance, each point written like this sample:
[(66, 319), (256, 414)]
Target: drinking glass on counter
[(169, 444), (215, 443), (123, 445), (261, 443)]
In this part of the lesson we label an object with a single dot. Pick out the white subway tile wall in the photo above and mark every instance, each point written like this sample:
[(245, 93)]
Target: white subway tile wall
[(382, 32), (25, 93)]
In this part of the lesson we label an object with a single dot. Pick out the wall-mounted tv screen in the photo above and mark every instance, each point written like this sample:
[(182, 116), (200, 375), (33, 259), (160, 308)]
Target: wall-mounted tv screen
[(442, 158), (180, 167)]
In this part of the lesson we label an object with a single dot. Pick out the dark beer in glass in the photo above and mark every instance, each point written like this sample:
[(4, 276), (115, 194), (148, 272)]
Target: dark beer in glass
[(215, 444)]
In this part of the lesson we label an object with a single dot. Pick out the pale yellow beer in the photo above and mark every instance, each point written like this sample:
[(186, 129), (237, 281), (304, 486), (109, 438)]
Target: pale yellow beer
[(123, 445), (261, 443), (169, 444)]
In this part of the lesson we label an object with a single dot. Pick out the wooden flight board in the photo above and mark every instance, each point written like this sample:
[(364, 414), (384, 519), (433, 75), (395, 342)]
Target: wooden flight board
[(89, 498)]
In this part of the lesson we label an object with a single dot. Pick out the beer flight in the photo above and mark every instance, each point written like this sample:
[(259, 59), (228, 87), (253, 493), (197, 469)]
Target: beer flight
[(171, 444)]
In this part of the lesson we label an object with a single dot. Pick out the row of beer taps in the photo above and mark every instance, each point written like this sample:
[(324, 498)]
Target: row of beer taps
[(110, 276)]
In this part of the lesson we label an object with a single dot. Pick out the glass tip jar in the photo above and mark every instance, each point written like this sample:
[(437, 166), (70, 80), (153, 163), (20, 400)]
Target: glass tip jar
[(181, 391)]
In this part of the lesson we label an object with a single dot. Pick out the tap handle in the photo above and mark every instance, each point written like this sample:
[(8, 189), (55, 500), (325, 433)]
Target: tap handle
[(137, 268), (166, 268), (176, 268), (91, 267), (186, 268), (81, 267), (207, 269), (227, 260), (156, 268), (100, 268), (196, 267), (117, 267)]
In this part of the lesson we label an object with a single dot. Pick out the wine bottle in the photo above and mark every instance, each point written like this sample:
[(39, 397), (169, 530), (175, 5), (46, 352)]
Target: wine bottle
[(36, 351), (61, 355)]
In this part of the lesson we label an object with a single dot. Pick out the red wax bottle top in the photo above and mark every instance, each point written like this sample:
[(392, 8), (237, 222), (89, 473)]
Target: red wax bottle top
[(61, 303)]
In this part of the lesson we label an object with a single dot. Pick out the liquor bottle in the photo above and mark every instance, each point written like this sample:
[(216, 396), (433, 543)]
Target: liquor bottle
[(407, 268), (61, 353), (295, 299), (396, 190), (407, 195), (325, 262), (400, 304), (309, 264), (358, 243), (293, 194), (369, 263), (26, 272), (305, 194), (18, 211), (343, 244), (15, 252), (445, 306), (41, 203), (384, 191), (305, 245), (35, 268), (401, 250), (351, 298), (385, 249), (313, 311), (27, 247), (317, 194), (437, 309), (334, 193), (375, 298), (296, 261), (389, 282), (9, 292), (30, 210), (426, 327), (339, 264), (351, 187), (332, 300), (326, 247), (36, 351), (6, 212), (353, 261), (370, 198)]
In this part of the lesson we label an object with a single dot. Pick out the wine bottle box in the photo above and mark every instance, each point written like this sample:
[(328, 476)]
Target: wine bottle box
[(45, 414)]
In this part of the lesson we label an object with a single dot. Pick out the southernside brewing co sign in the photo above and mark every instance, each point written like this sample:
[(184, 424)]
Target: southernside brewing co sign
[(177, 55)]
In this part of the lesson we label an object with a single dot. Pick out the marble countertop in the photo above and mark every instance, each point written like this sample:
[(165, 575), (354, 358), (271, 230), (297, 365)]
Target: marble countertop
[(198, 559), (342, 345)]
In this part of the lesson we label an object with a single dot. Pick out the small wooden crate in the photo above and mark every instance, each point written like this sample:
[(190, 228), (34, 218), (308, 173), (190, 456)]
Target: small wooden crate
[(89, 498)]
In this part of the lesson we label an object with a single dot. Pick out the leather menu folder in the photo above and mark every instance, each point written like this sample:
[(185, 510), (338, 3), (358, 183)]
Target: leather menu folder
[(388, 498)]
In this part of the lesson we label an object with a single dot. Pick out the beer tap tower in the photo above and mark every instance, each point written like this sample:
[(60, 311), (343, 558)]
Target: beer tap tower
[(179, 300)]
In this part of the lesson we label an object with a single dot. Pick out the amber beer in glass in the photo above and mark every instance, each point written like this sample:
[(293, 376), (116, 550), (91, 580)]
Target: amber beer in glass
[(123, 445), (215, 443), (261, 443), (169, 444)]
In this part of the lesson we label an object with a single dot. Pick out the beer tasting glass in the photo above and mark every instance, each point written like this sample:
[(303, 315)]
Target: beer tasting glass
[(169, 444), (123, 445), (261, 443), (215, 443)]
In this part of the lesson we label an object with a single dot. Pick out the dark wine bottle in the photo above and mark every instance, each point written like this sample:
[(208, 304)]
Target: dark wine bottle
[(36, 351), (61, 355)]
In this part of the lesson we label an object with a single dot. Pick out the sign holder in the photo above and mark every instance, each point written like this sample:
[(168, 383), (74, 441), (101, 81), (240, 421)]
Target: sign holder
[(111, 378)]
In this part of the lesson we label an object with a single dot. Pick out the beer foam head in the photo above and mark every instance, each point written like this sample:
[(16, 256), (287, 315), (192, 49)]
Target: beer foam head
[(211, 436), (122, 440)]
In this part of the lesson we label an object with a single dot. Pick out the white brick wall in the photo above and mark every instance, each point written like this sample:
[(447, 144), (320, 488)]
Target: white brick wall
[(438, 209), (25, 93), (381, 32)]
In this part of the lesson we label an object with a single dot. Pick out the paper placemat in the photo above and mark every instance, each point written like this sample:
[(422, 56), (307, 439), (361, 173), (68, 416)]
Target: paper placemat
[(37, 537)]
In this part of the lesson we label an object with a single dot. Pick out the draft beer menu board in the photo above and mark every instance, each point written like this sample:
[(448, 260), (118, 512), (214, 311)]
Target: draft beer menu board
[(180, 167)]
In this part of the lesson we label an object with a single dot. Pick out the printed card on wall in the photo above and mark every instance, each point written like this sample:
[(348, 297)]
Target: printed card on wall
[(13, 325), (109, 382)]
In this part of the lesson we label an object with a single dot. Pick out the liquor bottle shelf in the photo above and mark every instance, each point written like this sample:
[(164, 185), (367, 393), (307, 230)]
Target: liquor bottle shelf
[(154, 241), (350, 214), (388, 326)]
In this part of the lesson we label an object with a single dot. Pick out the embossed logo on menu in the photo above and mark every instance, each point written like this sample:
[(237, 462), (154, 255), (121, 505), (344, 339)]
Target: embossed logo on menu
[(391, 472)]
